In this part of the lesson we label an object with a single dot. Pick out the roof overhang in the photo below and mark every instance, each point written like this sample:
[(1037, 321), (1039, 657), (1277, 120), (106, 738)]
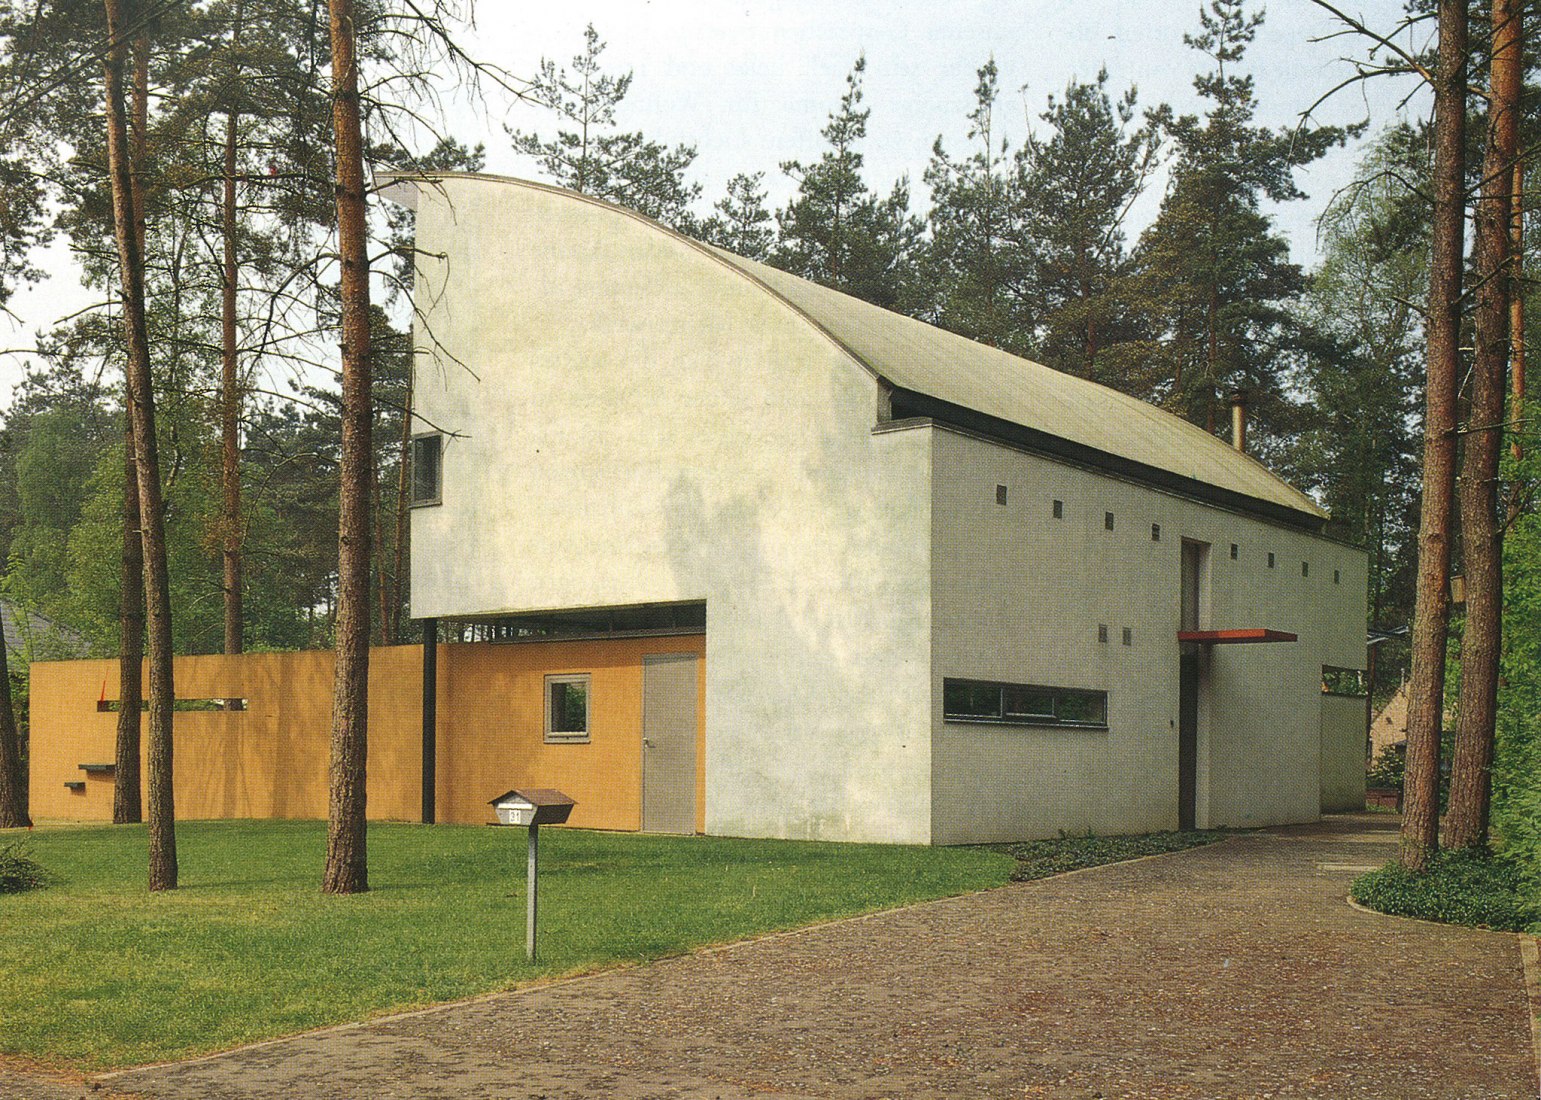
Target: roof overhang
[(1242, 636)]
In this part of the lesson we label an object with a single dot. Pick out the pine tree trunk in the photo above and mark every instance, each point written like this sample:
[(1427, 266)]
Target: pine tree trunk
[(163, 847), (13, 789), (1426, 688), (127, 808), (230, 406), (346, 857), (127, 796), (1466, 823)]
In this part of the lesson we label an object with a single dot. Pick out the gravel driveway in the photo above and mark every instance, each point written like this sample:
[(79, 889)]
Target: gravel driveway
[(1235, 970)]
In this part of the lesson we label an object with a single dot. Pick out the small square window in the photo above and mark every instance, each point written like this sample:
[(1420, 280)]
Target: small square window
[(1102, 632), (1155, 532), (1128, 636), (1000, 494), (1059, 509), (427, 468), (1270, 559), (567, 707), (1107, 520), (1305, 569), (1235, 551)]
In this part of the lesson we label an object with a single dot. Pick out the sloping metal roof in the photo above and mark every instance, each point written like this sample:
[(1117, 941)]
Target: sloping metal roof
[(912, 355), (1096, 425)]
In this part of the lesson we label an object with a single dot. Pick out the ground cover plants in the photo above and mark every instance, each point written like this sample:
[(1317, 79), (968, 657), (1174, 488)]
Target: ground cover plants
[(18, 870), (1471, 888), (95, 971), (1042, 858)]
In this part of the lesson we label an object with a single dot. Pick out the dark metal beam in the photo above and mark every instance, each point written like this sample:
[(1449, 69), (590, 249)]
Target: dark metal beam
[(430, 716), (909, 403)]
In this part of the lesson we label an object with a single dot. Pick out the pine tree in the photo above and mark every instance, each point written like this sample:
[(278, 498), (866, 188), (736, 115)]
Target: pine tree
[(1359, 450), (590, 155), (346, 837), (981, 260), (162, 819), (1431, 620), (742, 224), (1213, 281), (22, 228), (1466, 824), (837, 232), (1079, 185)]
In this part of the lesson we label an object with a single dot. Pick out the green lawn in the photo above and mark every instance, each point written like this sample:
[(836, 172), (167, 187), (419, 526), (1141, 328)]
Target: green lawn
[(97, 972)]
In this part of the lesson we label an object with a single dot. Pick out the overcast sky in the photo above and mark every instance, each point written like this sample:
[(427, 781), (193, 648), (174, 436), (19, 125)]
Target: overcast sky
[(752, 83)]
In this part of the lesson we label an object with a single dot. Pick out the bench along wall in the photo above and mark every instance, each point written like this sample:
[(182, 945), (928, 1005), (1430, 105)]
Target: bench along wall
[(269, 760)]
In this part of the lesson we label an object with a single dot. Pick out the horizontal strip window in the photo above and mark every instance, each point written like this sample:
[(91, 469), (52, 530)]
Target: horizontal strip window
[(115, 705), (1023, 704)]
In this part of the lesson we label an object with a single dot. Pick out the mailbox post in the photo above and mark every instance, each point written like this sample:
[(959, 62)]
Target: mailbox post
[(532, 809)]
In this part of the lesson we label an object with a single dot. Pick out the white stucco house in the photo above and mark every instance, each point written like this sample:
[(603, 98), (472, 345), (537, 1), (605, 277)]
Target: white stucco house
[(941, 587)]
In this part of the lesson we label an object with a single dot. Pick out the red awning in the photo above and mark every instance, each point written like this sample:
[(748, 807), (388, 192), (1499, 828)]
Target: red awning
[(1234, 637)]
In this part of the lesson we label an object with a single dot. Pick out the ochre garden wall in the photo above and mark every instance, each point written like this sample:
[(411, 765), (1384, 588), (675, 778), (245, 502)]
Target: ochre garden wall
[(270, 760)]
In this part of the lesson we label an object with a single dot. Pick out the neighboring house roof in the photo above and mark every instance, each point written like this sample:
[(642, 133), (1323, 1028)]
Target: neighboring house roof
[(1390, 725), (25, 631), (956, 380)]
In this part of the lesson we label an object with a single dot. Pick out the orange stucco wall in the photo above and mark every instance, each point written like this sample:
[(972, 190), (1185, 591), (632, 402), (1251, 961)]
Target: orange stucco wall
[(270, 760)]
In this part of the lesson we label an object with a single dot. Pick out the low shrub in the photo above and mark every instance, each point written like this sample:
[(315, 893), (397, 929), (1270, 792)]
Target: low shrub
[(1389, 767), (18, 870), (1042, 858), (1458, 888)]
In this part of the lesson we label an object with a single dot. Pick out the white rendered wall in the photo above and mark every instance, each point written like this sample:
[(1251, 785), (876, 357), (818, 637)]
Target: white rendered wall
[(1343, 753), (1018, 598), (639, 423)]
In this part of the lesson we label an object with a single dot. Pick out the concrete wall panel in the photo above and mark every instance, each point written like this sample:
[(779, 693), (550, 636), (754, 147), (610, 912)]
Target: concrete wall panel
[(636, 421), (1019, 596), (1343, 753)]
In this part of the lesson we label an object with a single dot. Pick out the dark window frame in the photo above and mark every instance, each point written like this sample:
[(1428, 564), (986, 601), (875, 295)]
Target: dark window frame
[(555, 736), (1059, 699), (418, 442)]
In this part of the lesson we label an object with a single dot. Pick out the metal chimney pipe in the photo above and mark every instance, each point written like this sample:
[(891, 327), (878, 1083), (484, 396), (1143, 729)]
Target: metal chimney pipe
[(1239, 421)]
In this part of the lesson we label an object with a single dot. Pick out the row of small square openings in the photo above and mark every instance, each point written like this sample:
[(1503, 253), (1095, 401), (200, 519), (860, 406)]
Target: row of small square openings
[(1102, 633), (1155, 536)]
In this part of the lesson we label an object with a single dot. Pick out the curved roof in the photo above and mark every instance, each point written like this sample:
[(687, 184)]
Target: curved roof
[(912, 355), (958, 375)]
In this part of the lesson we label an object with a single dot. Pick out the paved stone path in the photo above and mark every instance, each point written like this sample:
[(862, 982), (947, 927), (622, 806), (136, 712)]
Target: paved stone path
[(1235, 970)]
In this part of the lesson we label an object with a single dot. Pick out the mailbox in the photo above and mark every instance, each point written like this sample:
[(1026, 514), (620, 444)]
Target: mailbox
[(534, 807), (537, 806)]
